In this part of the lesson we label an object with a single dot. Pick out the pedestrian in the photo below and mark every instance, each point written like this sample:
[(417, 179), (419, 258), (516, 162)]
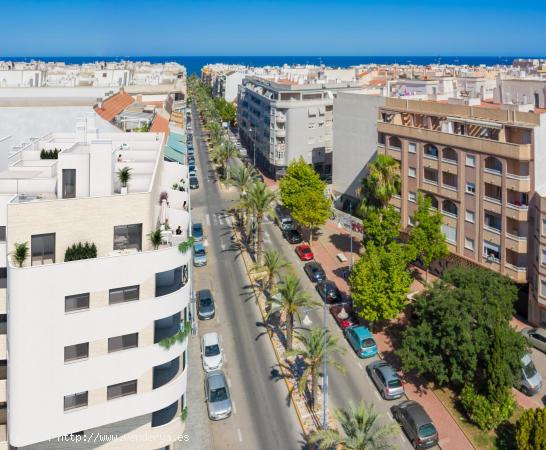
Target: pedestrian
[(178, 231), (344, 274), (185, 205)]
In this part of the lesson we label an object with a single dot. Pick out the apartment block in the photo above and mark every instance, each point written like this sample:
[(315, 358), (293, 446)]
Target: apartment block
[(479, 165), (83, 344), (283, 120)]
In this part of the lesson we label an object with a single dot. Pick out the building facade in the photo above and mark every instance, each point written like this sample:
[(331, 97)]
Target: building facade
[(86, 337), (280, 121)]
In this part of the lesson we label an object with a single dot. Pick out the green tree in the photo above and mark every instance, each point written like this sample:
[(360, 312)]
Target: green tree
[(380, 282), (318, 346), (450, 340), (362, 430), (380, 184), (303, 193), (289, 301), (426, 235), (260, 200), (242, 178), (273, 265), (381, 227), (531, 430)]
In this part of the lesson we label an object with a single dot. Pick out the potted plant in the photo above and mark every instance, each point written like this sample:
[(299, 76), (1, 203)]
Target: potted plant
[(124, 175), (163, 196), (155, 238), (20, 253), (182, 185), (175, 186)]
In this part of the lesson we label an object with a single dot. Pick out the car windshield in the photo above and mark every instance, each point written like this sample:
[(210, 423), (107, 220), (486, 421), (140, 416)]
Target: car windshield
[(197, 229), (394, 383), (529, 370), (306, 250), (427, 430), (212, 350), (200, 252), (368, 342), (206, 301), (218, 395)]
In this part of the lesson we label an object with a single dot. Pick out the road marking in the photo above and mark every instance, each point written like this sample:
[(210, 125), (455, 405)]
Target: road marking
[(354, 356), (207, 219), (222, 245), (218, 320), (377, 395), (234, 407), (239, 435), (267, 237), (229, 382), (360, 365), (390, 415), (215, 219)]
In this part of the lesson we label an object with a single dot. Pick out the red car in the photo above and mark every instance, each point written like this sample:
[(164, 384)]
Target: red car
[(304, 252), (344, 315)]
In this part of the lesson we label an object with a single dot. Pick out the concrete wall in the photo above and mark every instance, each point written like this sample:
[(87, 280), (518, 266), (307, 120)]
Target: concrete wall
[(354, 139)]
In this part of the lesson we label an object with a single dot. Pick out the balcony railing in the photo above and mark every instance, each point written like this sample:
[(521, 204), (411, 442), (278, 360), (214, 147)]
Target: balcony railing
[(492, 171), (450, 161), (516, 238), (492, 229), (493, 200), (394, 148), (518, 177), (516, 268), (449, 187), (520, 206)]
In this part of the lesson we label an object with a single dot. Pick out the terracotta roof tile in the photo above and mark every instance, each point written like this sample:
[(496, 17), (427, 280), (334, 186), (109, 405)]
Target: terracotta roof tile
[(112, 106), (160, 125)]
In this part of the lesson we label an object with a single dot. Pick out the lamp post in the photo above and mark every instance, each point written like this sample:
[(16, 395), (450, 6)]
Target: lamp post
[(325, 372), (351, 234), (253, 131)]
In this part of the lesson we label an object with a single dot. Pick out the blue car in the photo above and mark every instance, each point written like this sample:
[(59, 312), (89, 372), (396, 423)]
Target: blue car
[(199, 255), (197, 231), (362, 341)]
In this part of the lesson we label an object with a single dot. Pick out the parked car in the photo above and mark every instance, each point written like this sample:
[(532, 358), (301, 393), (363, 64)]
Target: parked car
[(362, 341), (304, 252), (197, 231), (217, 395), (191, 151), (191, 160), (192, 170), (530, 380), (199, 255), (329, 292), (194, 183), (416, 423), (283, 218), (536, 337), (344, 315), (212, 352), (314, 271), (292, 236), (385, 379), (205, 305)]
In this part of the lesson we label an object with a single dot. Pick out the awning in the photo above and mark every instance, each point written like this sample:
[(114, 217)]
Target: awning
[(171, 154), (481, 123), (176, 144)]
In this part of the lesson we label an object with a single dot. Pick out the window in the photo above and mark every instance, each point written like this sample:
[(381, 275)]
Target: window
[(115, 344), (75, 352), (469, 243), (74, 401), (3, 277), (412, 197), (2, 233), (431, 151), (128, 236), (469, 216), (450, 233), (124, 294), (543, 288), (42, 249), (491, 251), (543, 226), (543, 260), (69, 183), (121, 389), (76, 302), (470, 188), (470, 160), (411, 222), (412, 172), (412, 147), (430, 175)]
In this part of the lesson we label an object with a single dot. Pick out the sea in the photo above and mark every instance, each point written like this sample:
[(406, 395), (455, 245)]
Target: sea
[(195, 63)]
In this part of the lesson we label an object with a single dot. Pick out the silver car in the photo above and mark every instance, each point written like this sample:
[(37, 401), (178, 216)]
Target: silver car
[(217, 395), (386, 380), (536, 337), (530, 380)]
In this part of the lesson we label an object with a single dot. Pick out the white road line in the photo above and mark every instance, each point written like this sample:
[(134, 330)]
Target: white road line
[(207, 219), (360, 365), (239, 435), (354, 356), (390, 415), (215, 219), (222, 220), (222, 245), (229, 382), (377, 394), (234, 407), (218, 320)]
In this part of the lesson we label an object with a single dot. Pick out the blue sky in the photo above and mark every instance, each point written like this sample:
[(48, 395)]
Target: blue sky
[(235, 27)]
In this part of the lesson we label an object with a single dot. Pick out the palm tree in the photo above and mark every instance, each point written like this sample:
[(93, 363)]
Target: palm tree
[(318, 347), (361, 428), (242, 178), (260, 200), (290, 299), (230, 151), (273, 265), (381, 183)]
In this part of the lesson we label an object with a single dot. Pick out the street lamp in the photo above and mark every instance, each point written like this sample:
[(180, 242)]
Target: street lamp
[(253, 131), (325, 372), (351, 234)]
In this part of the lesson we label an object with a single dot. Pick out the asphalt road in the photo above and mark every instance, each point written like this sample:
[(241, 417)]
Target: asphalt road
[(262, 417)]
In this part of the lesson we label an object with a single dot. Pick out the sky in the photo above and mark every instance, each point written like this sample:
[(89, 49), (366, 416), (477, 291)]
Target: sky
[(271, 28)]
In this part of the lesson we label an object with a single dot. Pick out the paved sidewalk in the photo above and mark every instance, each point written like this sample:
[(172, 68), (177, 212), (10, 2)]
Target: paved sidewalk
[(334, 240)]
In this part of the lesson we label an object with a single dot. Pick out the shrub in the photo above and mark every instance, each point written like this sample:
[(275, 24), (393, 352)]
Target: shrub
[(183, 247), (184, 414), (20, 253), (531, 430), (155, 238), (179, 336), (484, 412), (80, 251), (50, 154)]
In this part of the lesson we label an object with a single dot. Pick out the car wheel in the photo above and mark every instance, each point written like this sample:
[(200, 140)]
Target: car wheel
[(368, 370), (525, 391), (383, 396), (413, 444)]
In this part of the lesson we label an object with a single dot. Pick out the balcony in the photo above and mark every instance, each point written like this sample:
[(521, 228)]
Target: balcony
[(520, 152), (164, 373), (280, 117), (166, 327), (280, 132), (518, 274), (520, 183)]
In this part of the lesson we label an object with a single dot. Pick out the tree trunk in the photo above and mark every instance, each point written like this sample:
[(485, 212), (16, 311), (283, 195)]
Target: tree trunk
[(289, 328), (259, 239), (426, 275), (314, 387)]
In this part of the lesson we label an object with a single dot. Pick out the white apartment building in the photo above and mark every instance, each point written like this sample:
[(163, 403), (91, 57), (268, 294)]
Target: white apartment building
[(84, 337)]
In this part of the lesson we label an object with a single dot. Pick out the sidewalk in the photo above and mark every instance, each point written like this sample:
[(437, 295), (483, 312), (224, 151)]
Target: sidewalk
[(331, 242)]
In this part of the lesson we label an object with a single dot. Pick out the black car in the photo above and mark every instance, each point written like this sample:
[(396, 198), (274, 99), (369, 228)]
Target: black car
[(194, 183), (314, 271), (191, 159), (416, 423), (329, 292), (205, 305), (292, 236)]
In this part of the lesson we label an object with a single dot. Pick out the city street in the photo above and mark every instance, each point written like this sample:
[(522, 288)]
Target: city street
[(262, 417)]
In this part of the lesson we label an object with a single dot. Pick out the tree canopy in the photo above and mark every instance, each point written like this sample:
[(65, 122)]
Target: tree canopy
[(381, 227), (531, 430)]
